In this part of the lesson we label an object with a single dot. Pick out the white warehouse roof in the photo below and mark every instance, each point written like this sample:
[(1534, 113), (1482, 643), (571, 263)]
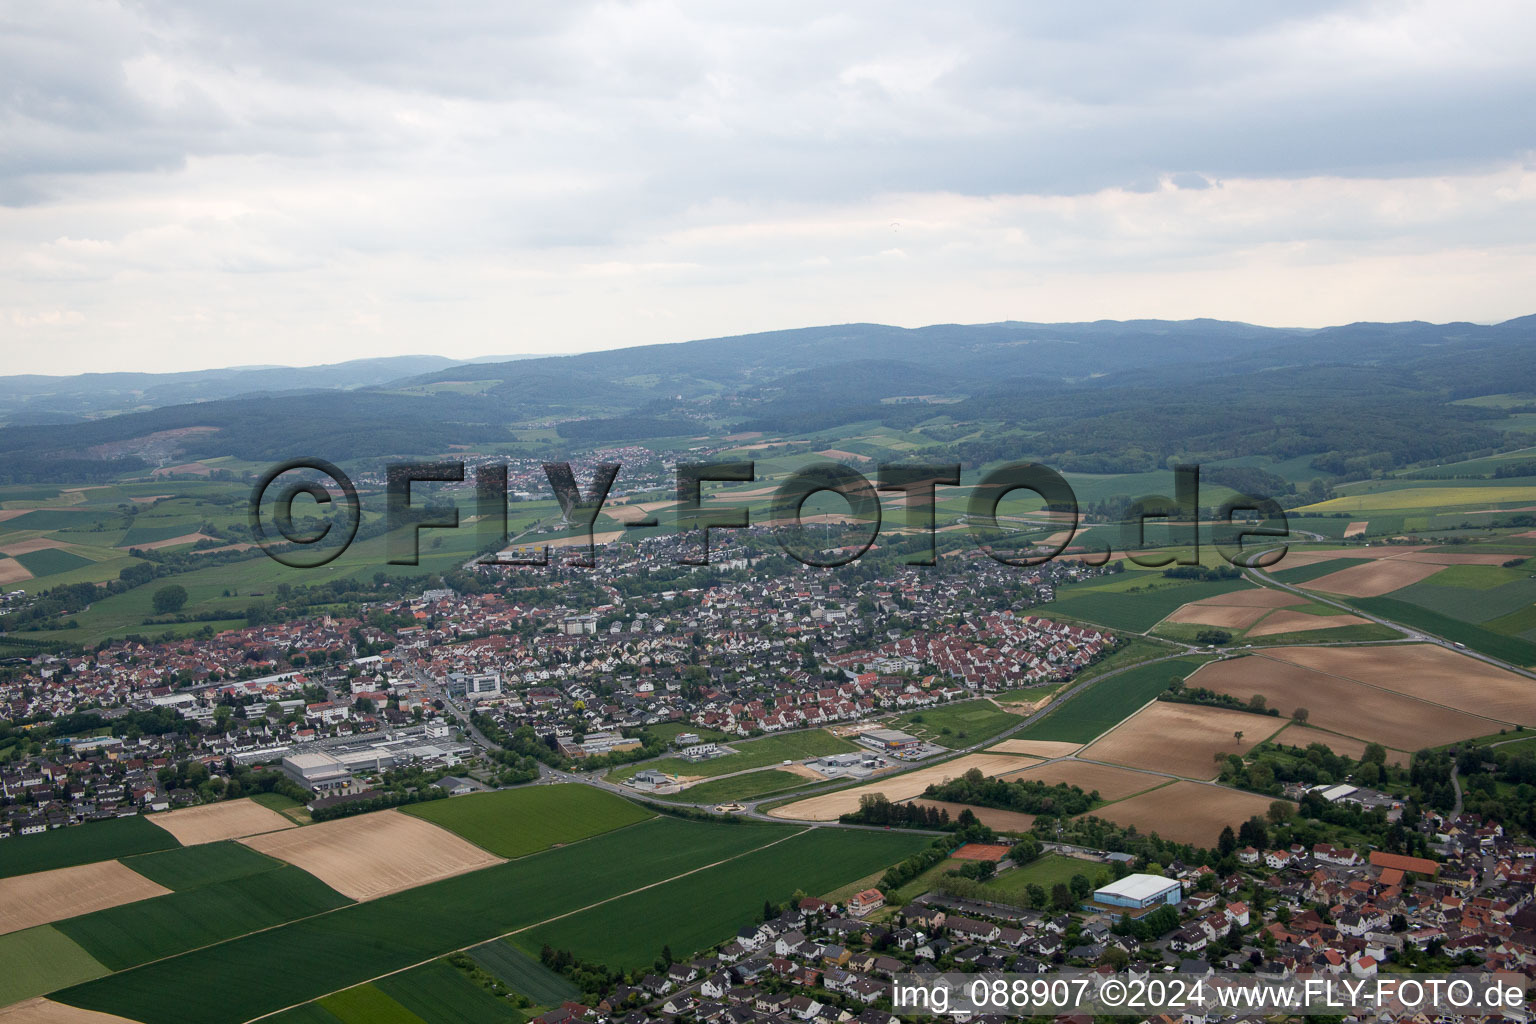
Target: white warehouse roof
[(1137, 887)]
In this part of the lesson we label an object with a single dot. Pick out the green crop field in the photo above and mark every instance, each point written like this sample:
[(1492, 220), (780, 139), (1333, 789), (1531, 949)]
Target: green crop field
[(51, 561), (39, 960), (524, 973), (1307, 573), (759, 753), (957, 725), (737, 787), (135, 933), (82, 844), (1508, 648), (1455, 593), (367, 1005), (309, 1013), (1134, 602), (440, 993), (189, 867), (516, 822), (1106, 703), (705, 908), (1049, 870), (261, 973)]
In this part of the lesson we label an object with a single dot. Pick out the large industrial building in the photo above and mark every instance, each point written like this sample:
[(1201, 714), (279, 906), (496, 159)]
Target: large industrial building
[(892, 741), (1136, 894)]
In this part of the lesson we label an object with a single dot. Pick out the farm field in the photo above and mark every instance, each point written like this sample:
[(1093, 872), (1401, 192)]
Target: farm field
[(1134, 601), (830, 806), (1426, 671), (956, 725), (1089, 713), (1372, 579), (1181, 739), (1303, 567), (371, 855), (1035, 748), (524, 973), (227, 819), (45, 1011), (1111, 783), (1512, 649), (40, 960), (695, 912), (125, 936), (516, 822), (1343, 705), (992, 817), (1421, 497), (1050, 869), (758, 753), (1187, 812), (750, 786), (366, 1004), (48, 896), (82, 844), (1295, 735), (233, 982), (440, 993), (192, 866), (1307, 620)]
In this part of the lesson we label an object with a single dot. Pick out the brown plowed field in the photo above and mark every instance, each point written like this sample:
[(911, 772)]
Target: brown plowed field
[(373, 855), (1343, 705), (1374, 578), (1429, 672), (1286, 621), (46, 896), (1181, 739), (1111, 782), (1187, 812), (211, 823)]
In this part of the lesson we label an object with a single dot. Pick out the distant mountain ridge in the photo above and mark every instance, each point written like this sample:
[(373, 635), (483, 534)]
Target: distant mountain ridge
[(1105, 396)]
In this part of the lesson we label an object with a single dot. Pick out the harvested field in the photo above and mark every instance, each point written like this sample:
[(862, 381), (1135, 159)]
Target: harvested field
[(373, 855), (981, 851), (47, 896), (842, 456), (12, 571), (46, 1011), (1187, 812), (1429, 672), (210, 823), (1343, 705), (1284, 621), (897, 788), (1374, 579), (1456, 558), (992, 817), (21, 547), (1356, 529), (1224, 616), (1347, 746), (1036, 748), (1111, 783), (1181, 739), (1255, 598)]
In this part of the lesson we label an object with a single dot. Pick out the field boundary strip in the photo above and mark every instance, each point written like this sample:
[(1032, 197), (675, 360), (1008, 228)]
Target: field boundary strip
[(538, 924)]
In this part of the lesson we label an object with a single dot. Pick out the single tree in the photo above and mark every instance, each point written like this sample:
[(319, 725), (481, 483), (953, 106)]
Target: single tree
[(169, 599)]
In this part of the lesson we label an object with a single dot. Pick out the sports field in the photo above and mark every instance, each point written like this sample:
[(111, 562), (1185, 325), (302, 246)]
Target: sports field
[(1051, 869), (516, 822)]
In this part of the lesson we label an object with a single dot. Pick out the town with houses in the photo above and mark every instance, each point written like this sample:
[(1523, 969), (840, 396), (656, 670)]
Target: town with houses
[(334, 703)]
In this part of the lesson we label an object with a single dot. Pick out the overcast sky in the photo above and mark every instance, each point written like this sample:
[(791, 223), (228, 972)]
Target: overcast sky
[(193, 185)]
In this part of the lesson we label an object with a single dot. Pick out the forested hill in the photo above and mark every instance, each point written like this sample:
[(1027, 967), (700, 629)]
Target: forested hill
[(1098, 397)]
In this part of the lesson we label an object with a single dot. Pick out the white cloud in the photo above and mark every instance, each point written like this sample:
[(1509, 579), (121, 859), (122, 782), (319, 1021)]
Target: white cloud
[(202, 184)]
